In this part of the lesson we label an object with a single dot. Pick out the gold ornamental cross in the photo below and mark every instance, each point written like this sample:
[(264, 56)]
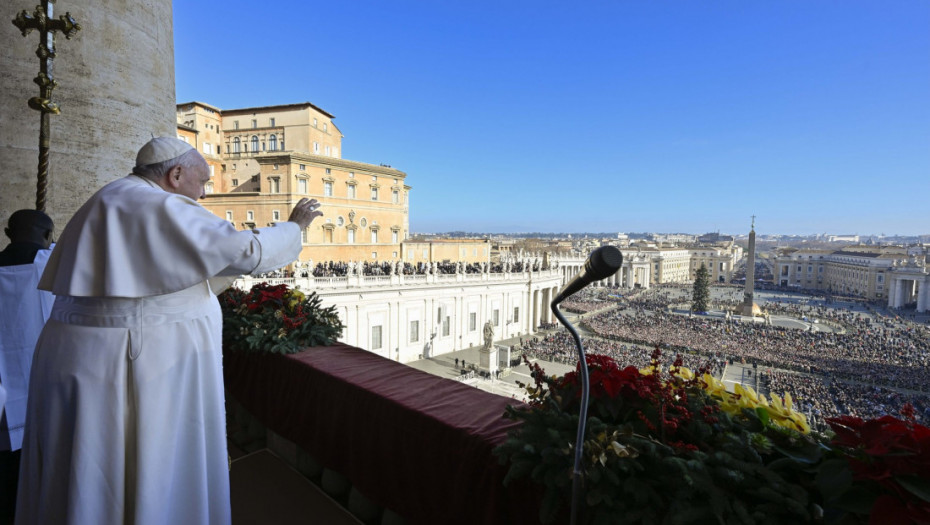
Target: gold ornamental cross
[(42, 20)]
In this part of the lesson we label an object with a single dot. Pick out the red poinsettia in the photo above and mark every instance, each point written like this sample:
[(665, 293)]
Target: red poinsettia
[(894, 454)]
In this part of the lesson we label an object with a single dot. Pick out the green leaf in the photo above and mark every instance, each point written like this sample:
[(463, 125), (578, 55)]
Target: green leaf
[(916, 485), (763, 414)]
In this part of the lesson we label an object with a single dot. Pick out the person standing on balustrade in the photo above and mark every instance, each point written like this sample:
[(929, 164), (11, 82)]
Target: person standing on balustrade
[(126, 419)]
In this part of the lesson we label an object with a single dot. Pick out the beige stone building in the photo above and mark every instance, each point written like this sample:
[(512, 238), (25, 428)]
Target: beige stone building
[(855, 270), (720, 260), (670, 264), (264, 159), (446, 250)]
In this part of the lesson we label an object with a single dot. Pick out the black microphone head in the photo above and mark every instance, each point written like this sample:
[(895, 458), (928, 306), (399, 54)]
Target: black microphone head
[(603, 262)]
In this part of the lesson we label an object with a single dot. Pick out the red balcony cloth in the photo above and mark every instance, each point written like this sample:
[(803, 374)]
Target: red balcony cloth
[(410, 441)]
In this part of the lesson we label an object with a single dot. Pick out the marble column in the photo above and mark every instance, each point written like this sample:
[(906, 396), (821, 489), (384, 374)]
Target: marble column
[(115, 88)]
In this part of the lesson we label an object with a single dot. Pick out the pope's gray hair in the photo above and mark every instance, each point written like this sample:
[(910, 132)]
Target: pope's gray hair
[(157, 171)]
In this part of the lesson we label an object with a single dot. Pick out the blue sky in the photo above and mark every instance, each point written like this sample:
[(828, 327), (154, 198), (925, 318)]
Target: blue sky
[(667, 116)]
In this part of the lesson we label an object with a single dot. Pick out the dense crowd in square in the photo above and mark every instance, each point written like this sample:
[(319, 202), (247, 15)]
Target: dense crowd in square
[(868, 367)]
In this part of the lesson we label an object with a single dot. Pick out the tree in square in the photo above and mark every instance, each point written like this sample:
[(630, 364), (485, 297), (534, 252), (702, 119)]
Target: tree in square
[(701, 291)]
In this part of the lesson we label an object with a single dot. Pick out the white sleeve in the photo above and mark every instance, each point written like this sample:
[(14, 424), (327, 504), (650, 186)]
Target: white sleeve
[(269, 249)]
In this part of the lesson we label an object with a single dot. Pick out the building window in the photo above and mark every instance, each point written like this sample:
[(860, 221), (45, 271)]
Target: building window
[(275, 215), (376, 337), (314, 122), (395, 197), (235, 182), (271, 123), (414, 331), (208, 148), (326, 150), (374, 236), (208, 188), (516, 314), (255, 143), (328, 189), (235, 124), (229, 215), (374, 194), (316, 148), (250, 215), (394, 237), (212, 170), (496, 317), (302, 186), (274, 185), (303, 167), (254, 123), (351, 236), (374, 255), (304, 237), (236, 147), (351, 193), (446, 325), (273, 142)]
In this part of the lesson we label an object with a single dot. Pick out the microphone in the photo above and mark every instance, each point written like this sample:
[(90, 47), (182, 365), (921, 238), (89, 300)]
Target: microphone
[(602, 263)]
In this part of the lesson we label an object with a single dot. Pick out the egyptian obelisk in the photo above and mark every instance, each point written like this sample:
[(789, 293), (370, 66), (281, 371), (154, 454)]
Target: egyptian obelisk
[(747, 308)]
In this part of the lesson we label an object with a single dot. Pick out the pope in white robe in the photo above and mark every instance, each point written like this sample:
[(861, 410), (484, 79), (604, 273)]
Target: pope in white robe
[(126, 419)]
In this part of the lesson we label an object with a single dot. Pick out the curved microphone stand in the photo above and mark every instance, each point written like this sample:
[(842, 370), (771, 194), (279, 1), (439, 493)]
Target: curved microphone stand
[(577, 474)]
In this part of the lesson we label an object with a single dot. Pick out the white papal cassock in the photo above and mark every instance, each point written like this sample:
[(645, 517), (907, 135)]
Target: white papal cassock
[(126, 421)]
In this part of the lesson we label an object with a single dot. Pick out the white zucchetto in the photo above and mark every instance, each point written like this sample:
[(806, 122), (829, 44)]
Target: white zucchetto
[(160, 149)]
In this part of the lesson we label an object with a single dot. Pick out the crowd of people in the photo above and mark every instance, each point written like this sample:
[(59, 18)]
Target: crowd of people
[(559, 347), (379, 268), (870, 366), (590, 299)]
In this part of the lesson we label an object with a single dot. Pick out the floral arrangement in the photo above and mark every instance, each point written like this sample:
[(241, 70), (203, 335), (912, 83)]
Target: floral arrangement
[(673, 446), (883, 471), (664, 447), (276, 319)]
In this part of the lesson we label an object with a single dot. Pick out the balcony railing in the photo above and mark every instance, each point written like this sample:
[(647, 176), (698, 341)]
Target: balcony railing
[(394, 443)]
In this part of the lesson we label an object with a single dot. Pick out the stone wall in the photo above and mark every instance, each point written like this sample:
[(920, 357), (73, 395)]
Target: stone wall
[(115, 88)]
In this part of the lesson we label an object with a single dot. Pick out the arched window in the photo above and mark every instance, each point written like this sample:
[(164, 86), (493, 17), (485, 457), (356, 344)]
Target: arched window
[(273, 143), (236, 145), (255, 143)]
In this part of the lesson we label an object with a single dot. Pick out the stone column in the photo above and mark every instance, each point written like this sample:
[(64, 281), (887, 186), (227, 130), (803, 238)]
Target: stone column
[(899, 293), (923, 295), (892, 292), (115, 88)]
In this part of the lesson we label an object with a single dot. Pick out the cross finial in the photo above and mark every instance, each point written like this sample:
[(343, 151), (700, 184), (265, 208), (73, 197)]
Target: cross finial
[(44, 22)]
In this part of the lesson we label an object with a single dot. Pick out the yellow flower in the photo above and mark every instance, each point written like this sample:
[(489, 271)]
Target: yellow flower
[(748, 397), (714, 386), (294, 297), (649, 370), (783, 415), (682, 372)]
